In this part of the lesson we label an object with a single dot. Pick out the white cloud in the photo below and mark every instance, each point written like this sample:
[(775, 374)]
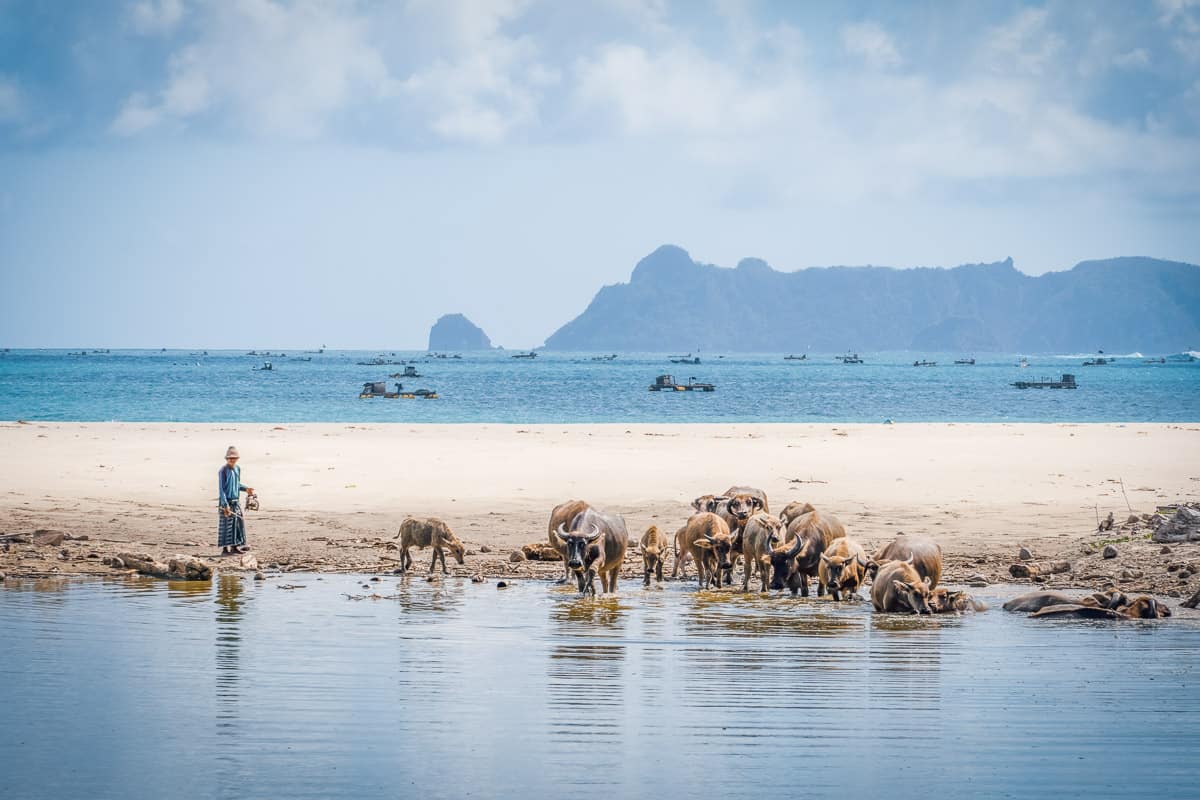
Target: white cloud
[(872, 44), (284, 70), (1137, 58), (12, 105), (156, 17), (483, 84), (1025, 44)]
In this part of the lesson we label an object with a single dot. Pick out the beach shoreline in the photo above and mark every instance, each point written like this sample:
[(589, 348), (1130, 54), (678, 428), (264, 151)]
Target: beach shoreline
[(333, 495)]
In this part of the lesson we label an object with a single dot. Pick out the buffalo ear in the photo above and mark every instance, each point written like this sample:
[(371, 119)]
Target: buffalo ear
[(901, 586), (929, 581), (704, 544), (825, 558)]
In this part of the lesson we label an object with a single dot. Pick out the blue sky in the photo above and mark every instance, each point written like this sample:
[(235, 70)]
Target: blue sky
[(253, 173)]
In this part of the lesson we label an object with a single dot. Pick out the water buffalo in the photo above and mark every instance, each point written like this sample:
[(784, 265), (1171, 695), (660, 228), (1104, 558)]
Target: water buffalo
[(707, 538), (594, 544), (1098, 605), (899, 587), (796, 560), (944, 601), (564, 514), (792, 510), (682, 554), (422, 533), (654, 551), (925, 553), (842, 569), (762, 531)]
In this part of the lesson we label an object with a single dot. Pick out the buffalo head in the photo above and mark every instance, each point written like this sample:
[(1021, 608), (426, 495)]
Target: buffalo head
[(577, 545)]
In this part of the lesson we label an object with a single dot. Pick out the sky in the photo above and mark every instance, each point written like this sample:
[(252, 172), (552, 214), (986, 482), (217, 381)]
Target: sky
[(269, 174)]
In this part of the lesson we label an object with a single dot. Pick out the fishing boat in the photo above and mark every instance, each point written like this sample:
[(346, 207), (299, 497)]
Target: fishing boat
[(966, 362), (924, 363), (530, 354), (849, 358), (1022, 362), (612, 357), (372, 389), (666, 383), (1154, 360), (1097, 362), (803, 357), (266, 367), (1067, 382), (688, 359)]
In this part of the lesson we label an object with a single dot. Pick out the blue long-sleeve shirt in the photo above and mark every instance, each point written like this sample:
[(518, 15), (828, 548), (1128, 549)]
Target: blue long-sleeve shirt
[(229, 484)]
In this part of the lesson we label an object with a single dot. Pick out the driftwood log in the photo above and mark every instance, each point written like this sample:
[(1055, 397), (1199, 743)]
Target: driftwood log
[(1182, 526), (179, 568)]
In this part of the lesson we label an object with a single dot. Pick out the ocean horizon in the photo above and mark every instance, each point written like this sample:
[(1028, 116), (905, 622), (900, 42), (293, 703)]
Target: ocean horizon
[(93, 385)]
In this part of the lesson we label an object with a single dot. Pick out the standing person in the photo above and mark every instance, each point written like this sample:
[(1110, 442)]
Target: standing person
[(231, 525)]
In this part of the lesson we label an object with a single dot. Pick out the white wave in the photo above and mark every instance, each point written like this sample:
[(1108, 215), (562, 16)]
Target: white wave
[(1101, 355)]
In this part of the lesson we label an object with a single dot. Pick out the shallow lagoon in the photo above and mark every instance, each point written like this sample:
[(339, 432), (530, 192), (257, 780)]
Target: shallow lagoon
[(132, 688)]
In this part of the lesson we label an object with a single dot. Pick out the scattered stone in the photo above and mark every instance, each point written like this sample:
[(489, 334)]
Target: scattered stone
[(1059, 567), (1109, 550), (1175, 567), (51, 538), (248, 562), (1088, 551), (3, 577), (503, 584), (113, 562), (977, 581), (397, 572), (516, 556), (1192, 601), (483, 548), (1165, 550), (477, 579), (428, 579), (1023, 570), (1130, 574), (1132, 519), (1184, 575), (258, 576), (1024, 554), (376, 579)]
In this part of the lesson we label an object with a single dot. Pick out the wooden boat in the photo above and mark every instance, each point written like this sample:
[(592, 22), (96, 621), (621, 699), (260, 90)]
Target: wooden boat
[(373, 389), (688, 359), (849, 358), (803, 357), (612, 357), (966, 362), (266, 367), (924, 363), (530, 354), (1097, 362), (1067, 382), (666, 383)]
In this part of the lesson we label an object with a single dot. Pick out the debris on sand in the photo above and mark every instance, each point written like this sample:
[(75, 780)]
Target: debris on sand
[(1183, 525), (179, 568)]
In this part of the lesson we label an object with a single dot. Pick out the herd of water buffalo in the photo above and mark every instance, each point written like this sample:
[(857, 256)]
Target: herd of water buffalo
[(780, 552)]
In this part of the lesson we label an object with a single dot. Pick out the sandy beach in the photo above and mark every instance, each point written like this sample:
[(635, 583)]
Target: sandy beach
[(333, 495)]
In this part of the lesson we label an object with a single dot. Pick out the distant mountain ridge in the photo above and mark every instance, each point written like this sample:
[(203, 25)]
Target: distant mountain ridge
[(674, 303)]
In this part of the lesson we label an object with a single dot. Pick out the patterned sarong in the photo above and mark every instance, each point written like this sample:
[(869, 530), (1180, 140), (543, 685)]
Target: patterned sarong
[(231, 530)]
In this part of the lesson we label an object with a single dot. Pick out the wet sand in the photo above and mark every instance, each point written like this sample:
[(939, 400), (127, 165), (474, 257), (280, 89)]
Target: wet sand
[(333, 495)]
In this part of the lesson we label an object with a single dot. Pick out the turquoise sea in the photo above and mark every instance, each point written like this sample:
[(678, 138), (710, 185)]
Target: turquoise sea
[(224, 386)]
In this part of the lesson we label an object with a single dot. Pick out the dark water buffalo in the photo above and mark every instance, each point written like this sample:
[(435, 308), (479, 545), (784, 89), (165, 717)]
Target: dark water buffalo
[(899, 587), (564, 514), (925, 553), (793, 510), (1098, 605), (797, 559), (762, 531), (594, 544)]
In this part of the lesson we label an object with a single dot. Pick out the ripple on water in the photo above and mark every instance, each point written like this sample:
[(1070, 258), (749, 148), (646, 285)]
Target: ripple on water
[(239, 688)]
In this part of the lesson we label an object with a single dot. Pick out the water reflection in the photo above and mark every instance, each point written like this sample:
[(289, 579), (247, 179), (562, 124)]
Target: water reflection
[(228, 678)]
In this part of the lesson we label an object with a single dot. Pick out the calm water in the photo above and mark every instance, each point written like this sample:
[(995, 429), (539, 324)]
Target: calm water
[(560, 388), (241, 689)]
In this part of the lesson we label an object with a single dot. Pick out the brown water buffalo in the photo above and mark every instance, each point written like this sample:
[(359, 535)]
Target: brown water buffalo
[(796, 560), (842, 569), (759, 538), (945, 601), (654, 552), (925, 553), (682, 554), (594, 544), (707, 538), (564, 514), (899, 587), (793, 510), (422, 533)]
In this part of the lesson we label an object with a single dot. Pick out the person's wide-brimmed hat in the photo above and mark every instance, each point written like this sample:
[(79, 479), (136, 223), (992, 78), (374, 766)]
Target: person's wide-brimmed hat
[(232, 452)]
